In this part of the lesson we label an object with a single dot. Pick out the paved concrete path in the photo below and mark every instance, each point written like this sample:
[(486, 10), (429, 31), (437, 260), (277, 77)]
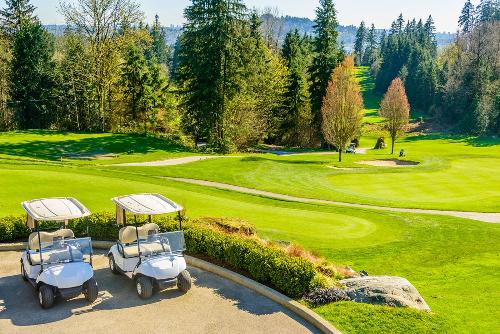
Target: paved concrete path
[(481, 216), (169, 162), (214, 305)]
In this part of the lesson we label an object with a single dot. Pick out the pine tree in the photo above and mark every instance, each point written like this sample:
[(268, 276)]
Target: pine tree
[(488, 10), (160, 51), (342, 109), (359, 44), (15, 14), (32, 75), (211, 58), (371, 50), (295, 127), (326, 57), (467, 17)]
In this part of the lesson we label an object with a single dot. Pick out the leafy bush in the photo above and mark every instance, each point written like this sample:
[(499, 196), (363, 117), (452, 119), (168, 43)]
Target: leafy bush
[(269, 265), (325, 296), (229, 225)]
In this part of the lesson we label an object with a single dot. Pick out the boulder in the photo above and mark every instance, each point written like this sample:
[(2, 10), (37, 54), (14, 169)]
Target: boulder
[(384, 290)]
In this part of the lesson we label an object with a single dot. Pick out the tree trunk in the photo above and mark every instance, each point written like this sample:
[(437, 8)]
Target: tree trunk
[(340, 155), (393, 140)]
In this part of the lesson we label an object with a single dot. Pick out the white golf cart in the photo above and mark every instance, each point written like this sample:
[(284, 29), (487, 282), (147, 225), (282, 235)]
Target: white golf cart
[(143, 254), (56, 263)]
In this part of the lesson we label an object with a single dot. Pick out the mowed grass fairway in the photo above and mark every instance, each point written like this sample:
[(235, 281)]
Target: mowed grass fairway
[(454, 263), (452, 175)]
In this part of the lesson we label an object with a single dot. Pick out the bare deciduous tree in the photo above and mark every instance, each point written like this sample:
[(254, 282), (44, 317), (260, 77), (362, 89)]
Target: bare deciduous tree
[(272, 28), (342, 107), (396, 109), (101, 21)]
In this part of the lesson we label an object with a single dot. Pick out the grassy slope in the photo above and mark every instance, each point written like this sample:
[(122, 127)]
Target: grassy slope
[(440, 255), (59, 146)]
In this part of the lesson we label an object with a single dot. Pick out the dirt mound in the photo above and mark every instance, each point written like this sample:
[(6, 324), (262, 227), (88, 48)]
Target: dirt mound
[(390, 163)]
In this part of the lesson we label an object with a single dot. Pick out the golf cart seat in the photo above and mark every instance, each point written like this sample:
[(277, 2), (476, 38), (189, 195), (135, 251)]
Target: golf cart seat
[(49, 237), (53, 255), (128, 237)]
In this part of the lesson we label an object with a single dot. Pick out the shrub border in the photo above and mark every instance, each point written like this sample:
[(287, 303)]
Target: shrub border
[(300, 310)]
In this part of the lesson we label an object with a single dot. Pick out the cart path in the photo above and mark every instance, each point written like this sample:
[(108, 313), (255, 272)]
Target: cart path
[(213, 305), (168, 162), (481, 216)]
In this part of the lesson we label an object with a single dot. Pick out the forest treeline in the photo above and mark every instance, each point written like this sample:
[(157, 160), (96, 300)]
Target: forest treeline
[(226, 81), (458, 85)]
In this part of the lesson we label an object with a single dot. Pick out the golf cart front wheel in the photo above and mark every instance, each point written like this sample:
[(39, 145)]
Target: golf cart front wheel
[(45, 296), (144, 287), (184, 281), (90, 290), (23, 272), (112, 264)]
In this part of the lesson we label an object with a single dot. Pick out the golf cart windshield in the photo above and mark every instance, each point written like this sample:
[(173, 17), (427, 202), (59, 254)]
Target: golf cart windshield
[(64, 251), (162, 243)]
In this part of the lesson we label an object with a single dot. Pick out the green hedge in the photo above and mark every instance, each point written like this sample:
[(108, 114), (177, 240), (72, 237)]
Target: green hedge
[(268, 265)]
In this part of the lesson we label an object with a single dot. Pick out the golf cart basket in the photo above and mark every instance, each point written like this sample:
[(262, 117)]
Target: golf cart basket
[(150, 205), (58, 210)]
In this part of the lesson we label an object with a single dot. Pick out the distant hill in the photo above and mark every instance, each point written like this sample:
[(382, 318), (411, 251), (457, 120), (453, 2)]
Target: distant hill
[(347, 34)]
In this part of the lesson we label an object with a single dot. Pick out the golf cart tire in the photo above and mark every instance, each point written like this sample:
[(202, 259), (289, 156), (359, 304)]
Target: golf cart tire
[(184, 281), (146, 287), (23, 272), (112, 264), (45, 296), (91, 290)]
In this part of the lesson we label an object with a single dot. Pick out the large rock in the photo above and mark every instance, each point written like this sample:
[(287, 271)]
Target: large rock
[(385, 290)]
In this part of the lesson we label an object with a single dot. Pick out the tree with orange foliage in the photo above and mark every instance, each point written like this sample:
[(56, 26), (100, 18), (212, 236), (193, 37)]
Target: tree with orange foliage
[(342, 107), (396, 109)]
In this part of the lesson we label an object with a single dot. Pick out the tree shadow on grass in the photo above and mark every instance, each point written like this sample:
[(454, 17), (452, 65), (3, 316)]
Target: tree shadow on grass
[(117, 144)]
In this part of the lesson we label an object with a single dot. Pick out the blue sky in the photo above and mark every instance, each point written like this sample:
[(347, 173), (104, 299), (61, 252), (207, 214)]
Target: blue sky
[(380, 12)]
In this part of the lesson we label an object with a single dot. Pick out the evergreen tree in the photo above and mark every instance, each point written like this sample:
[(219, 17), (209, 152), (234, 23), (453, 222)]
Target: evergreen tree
[(326, 57), (211, 59), (5, 67), (144, 87), (488, 10), (32, 75), (370, 54), (295, 127), (467, 17), (15, 14), (359, 44), (74, 85), (159, 51)]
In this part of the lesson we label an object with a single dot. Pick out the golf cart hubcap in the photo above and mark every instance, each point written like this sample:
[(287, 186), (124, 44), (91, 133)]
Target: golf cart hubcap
[(111, 264), (40, 298), (139, 288)]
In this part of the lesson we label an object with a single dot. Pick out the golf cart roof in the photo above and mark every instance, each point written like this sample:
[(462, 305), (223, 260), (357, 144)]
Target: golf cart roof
[(146, 204), (55, 209)]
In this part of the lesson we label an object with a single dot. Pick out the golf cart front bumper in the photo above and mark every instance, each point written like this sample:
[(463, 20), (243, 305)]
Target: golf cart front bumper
[(166, 283), (68, 293)]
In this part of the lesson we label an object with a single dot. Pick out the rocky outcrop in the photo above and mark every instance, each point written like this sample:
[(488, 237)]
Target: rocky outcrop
[(384, 290)]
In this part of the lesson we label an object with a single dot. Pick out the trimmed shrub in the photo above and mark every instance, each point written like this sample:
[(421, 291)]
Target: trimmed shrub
[(267, 264)]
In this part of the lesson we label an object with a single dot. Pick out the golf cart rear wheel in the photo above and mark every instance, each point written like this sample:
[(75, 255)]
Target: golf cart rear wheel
[(184, 281), (90, 290), (144, 287), (23, 272), (112, 264), (45, 296)]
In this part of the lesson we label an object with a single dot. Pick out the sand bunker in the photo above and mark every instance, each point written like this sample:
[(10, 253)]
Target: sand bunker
[(390, 163)]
